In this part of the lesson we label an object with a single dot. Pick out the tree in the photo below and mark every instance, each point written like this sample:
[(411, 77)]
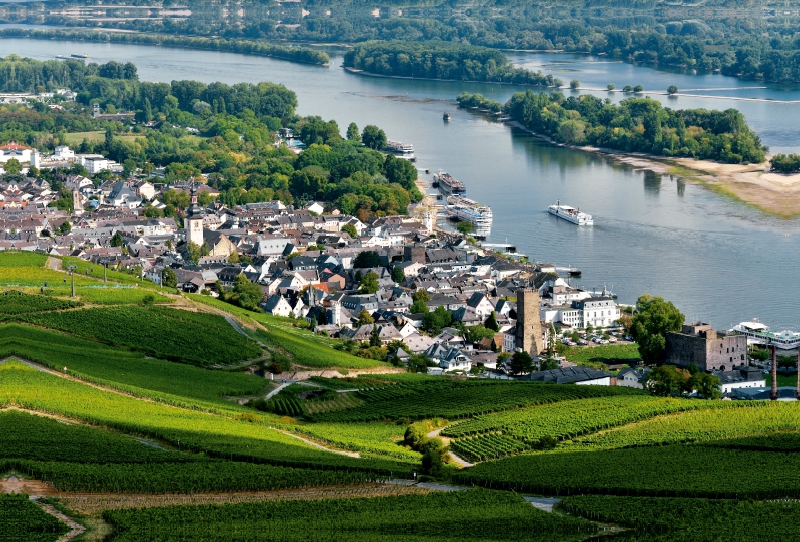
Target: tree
[(117, 240), (653, 319), (373, 137), (65, 228), (168, 278), (611, 86), (419, 363), (627, 89), (464, 228), (433, 456), (369, 283), (706, 385), (433, 322), (397, 274), (421, 298), (364, 318), (574, 84), (521, 362), (13, 166), (246, 294), (350, 230), (672, 89), (666, 380), (367, 259), (352, 133), (491, 322), (638, 88), (128, 167), (193, 252), (375, 336), (548, 365)]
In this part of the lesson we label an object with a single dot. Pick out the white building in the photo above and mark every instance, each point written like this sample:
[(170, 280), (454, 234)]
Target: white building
[(12, 150), (595, 311)]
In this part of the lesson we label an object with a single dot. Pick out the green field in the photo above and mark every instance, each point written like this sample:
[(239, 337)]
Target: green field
[(76, 138)]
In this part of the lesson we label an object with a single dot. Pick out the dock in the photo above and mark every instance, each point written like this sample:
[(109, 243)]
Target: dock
[(499, 247), (571, 271)]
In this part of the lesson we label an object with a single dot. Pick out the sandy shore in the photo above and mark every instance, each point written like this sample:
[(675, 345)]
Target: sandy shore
[(753, 184)]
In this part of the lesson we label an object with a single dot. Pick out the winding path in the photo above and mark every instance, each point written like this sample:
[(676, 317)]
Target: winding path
[(459, 461)]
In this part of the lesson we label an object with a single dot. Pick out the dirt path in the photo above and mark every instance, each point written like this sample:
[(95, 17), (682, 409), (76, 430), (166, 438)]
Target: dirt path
[(77, 528), (463, 463), (317, 445)]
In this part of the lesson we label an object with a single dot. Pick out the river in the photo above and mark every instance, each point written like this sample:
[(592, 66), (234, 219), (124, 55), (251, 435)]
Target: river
[(717, 259)]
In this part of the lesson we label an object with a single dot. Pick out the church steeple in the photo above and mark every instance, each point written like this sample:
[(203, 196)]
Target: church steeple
[(194, 220)]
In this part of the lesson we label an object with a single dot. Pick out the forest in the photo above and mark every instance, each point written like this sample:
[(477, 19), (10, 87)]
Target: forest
[(441, 60), (635, 125), (230, 137)]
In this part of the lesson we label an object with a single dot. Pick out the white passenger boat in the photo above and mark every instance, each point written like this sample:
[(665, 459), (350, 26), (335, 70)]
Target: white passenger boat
[(571, 214)]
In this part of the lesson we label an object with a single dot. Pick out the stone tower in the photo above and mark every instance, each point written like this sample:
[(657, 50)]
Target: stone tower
[(529, 325), (194, 221), (77, 202)]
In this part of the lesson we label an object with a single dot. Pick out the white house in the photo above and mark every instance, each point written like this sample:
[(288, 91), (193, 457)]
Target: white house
[(12, 150), (277, 306)]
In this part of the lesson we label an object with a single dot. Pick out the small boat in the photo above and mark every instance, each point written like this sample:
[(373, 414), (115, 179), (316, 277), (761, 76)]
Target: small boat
[(61, 57), (79, 55), (446, 116)]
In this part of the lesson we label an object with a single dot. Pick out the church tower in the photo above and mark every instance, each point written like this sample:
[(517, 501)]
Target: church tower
[(194, 221)]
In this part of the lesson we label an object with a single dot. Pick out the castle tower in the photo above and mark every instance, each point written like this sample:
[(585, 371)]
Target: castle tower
[(529, 325), (194, 221), (77, 202)]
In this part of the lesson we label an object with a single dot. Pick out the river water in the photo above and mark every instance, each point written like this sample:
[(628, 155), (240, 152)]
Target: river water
[(718, 260)]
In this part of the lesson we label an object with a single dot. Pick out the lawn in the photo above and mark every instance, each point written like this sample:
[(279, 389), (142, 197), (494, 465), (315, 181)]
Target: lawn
[(607, 353)]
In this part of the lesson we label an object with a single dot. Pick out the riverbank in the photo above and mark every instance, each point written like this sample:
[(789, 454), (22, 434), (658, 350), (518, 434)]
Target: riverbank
[(752, 184), (362, 72)]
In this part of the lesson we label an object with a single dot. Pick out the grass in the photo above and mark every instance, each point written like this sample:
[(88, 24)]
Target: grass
[(301, 346), (76, 138), (606, 353)]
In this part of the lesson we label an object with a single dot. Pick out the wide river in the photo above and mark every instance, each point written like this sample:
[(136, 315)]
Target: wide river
[(718, 260)]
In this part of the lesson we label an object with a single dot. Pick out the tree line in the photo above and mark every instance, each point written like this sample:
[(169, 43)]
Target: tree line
[(637, 125), (441, 60), (293, 54)]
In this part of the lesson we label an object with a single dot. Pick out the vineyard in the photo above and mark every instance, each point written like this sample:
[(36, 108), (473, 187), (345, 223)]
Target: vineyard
[(519, 430), (13, 304), (457, 516), (173, 383), (23, 521), (752, 418), (242, 437), (452, 399), (690, 520), (176, 335), (689, 470)]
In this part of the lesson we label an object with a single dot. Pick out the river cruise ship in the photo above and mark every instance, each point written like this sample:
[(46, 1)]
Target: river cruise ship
[(758, 333), (571, 214), (402, 150), (467, 210), (449, 185)]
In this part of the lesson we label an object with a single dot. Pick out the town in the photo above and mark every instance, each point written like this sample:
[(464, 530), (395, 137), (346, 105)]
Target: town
[(397, 288)]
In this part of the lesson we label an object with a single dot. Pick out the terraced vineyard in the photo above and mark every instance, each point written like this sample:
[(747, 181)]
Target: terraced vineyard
[(519, 430), (243, 437), (446, 517), (679, 470), (754, 418), (487, 446), (459, 399), (202, 339), (173, 383)]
